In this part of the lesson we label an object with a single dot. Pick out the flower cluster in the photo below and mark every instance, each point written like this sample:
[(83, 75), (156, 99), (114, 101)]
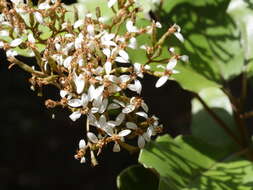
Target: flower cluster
[(88, 60)]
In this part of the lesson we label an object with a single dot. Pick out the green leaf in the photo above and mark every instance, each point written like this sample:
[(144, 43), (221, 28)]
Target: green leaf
[(137, 177), (242, 13), (186, 163), (204, 126), (211, 39)]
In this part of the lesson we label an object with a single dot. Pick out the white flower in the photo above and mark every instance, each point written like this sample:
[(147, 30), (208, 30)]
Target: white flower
[(168, 71), (106, 40), (136, 87), (111, 3), (130, 26), (158, 25), (94, 93), (141, 137), (178, 35)]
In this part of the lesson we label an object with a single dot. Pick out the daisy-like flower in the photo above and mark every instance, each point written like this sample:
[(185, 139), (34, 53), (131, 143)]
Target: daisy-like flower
[(169, 70), (81, 152), (119, 136), (142, 136)]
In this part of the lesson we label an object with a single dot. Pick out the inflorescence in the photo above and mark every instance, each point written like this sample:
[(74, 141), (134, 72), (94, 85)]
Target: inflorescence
[(88, 61)]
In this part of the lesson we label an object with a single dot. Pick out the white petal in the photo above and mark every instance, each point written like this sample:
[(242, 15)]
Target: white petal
[(141, 141), (75, 103), (124, 78), (78, 23), (120, 118), (122, 104), (31, 39), (82, 144), (79, 82), (67, 62), (16, 42), (11, 53), (123, 54), (144, 106), (75, 115), (116, 147), (158, 25), (84, 99), (179, 36), (131, 125), (83, 160), (172, 63), (91, 92), (161, 81), (92, 137), (130, 26), (128, 109), (102, 121), (99, 90), (113, 106), (132, 43), (38, 17), (103, 106), (146, 136), (108, 130), (90, 29), (111, 3), (4, 33), (121, 60), (107, 52), (42, 6), (184, 58), (63, 93), (124, 133), (142, 114), (108, 67)]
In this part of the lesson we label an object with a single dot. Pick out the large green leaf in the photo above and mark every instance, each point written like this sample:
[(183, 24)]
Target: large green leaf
[(204, 126), (211, 39), (137, 177), (185, 163)]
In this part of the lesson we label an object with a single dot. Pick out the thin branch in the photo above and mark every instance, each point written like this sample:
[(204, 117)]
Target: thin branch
[(221, 123)]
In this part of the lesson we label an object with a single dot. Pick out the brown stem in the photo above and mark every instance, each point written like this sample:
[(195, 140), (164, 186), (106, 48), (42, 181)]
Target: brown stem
[(26, 67), (221, 123)]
